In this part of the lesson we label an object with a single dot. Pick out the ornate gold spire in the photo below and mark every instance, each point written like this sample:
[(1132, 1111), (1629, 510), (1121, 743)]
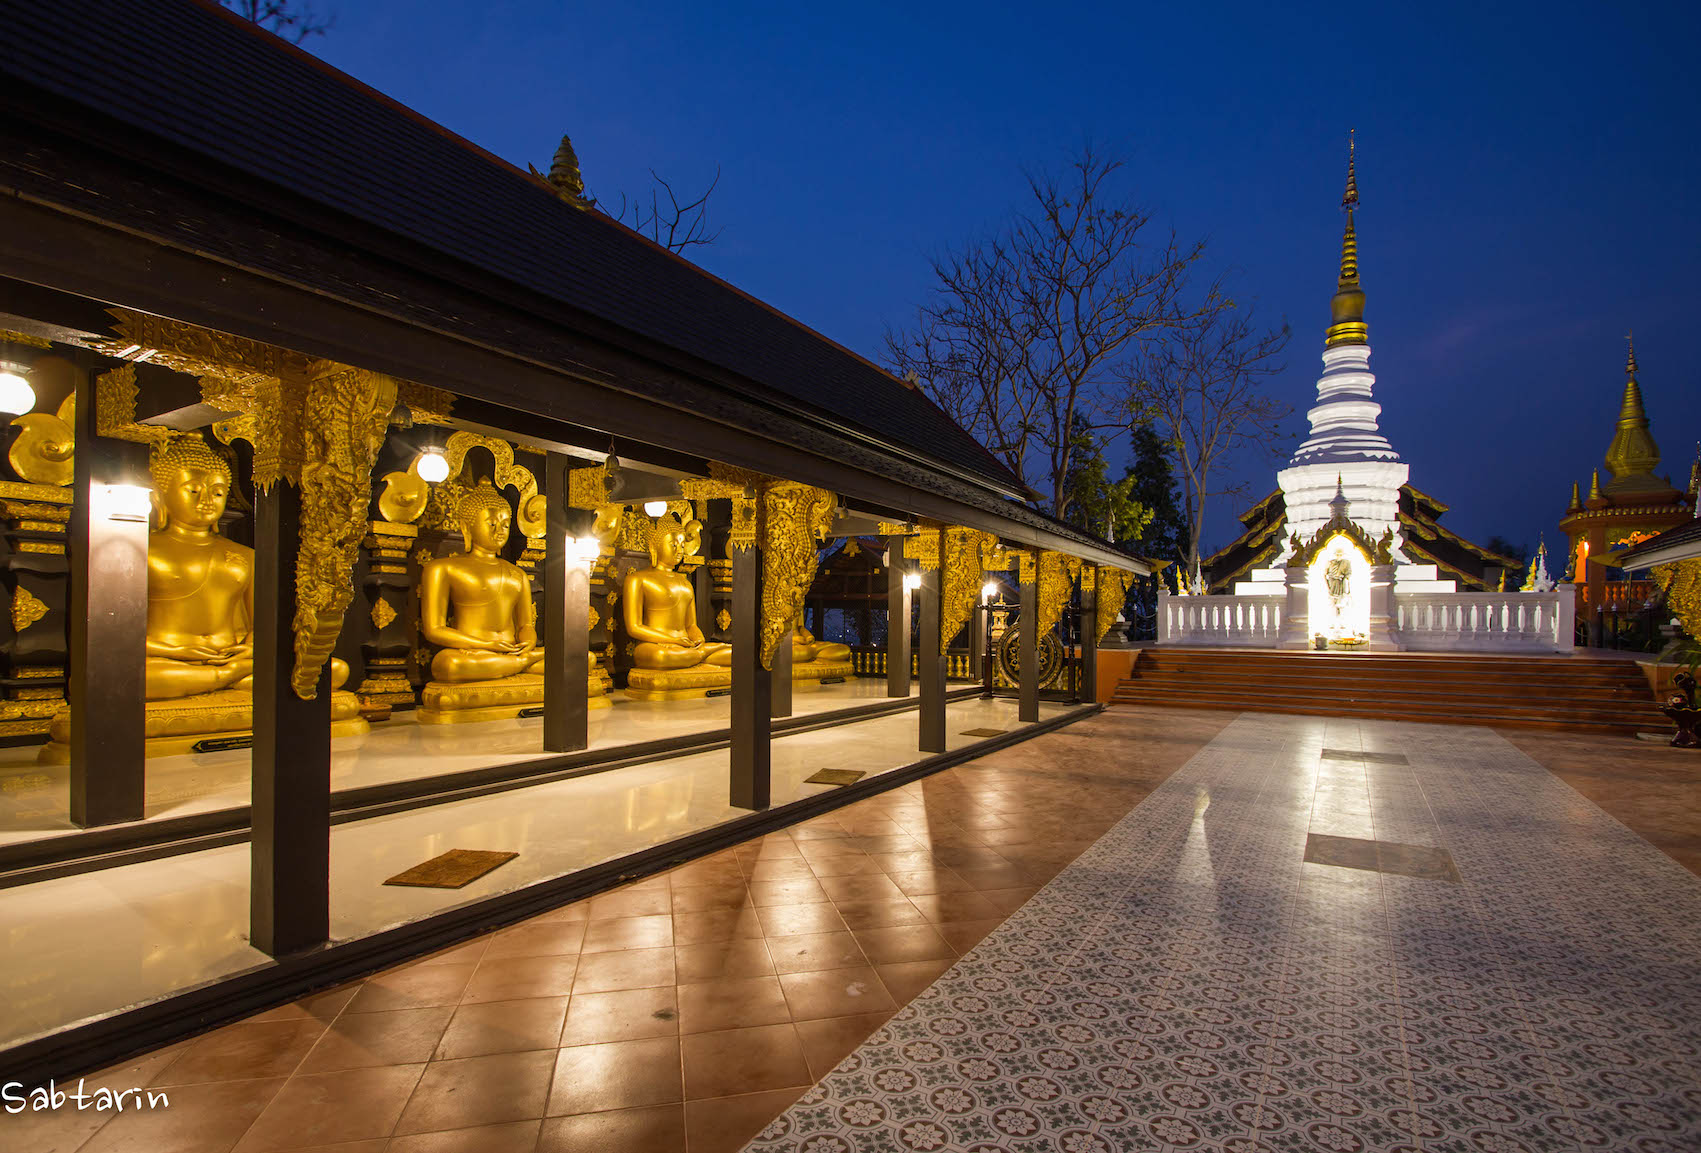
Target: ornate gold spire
[(1576, 499), (1633, 452), (1346, 310), (1595, 486)]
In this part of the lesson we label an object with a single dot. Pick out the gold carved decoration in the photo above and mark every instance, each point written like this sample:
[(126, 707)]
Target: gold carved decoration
[(1112, 591), (115, 409), (794, 518), (428, 405), (587, 488), (595, 619), (24, 339), (442, 510), (723, 620), (1056, 584), (382, 614), (897, 528), (959, 579), (923, 548), (27, 608), (43, 452), (404, 497), (1681, 581), (346, 417)]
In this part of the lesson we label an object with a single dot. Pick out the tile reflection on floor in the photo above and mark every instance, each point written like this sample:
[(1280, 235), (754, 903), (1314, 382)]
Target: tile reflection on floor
[(84, 946), (1192, 981), (684, 1011)]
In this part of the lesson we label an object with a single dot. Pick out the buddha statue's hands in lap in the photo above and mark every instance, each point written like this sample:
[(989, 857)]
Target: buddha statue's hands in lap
[(200, 585), (476, 606), (660, 606)]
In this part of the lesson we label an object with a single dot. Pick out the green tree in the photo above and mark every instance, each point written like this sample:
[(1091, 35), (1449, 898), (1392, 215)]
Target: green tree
[(1153, 474), (1097, 503)]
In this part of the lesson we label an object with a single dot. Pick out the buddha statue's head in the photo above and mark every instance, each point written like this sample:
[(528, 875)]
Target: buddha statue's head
[(672, 540), (485, 516), (191, 483)]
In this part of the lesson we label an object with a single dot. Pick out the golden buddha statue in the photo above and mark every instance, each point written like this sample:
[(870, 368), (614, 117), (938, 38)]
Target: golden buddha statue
[(200, 624), (813, 661), (673, 661), (477, 608)]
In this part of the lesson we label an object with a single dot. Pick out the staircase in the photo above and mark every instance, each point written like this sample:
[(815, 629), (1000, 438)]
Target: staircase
[(1585, 694)]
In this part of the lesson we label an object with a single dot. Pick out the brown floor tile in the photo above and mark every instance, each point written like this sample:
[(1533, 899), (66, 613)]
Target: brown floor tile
[(835, 993), (323, 1006), (812, 951), (965, 935), (629, 933), (793, 920), (699, 898), (476, 1091), (913, 861), (936, 880), (705, 873), (830, 1040), (577, 911), (906, 979), (872, 914), (621, 1015), (244, 1050), (466, 953), (656, 1129), (551, 938), (904, 943), (870, 888), (502, 1027), (627, 969), (416, 988), (630, 902), (819, 829), (746, 957), (857, 866), (726, 1124), (206, 1118), (326, 1108), (731, 1003), (359, 1040), (1009, 900), (618, 1075), (509, 1137), (737, 1061), (715, 925), (798, 892), (938, 907), (519, 978), (782, 869)]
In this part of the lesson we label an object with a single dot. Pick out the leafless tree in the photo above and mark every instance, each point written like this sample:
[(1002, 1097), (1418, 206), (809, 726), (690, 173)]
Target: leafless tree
[(284, 18), (1203, 387), (1026, 332), (673, 225)]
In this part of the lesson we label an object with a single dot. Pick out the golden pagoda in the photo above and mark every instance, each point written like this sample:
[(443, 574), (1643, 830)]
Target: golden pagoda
[(1632, 506)]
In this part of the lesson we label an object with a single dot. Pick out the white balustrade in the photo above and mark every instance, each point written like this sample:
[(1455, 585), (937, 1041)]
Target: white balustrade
[(1486, 622), (1245, 621)]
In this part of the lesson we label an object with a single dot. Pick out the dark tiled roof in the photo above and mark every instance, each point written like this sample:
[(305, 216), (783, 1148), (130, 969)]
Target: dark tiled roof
[(1684, 534), (213, 85)]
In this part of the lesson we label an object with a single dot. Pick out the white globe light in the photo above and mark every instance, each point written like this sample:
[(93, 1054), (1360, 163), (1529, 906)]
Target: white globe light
[(16, 395), (655, 508), (912, 581), (432, 466), (988, 591)]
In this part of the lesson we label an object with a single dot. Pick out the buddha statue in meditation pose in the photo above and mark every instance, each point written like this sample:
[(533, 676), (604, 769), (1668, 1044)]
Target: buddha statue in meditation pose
[(476, 607), (805, 649), (660, 613), (198, 675)]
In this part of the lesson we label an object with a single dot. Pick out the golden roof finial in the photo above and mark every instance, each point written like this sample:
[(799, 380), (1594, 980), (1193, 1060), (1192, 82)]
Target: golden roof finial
[(1576, 498), (1595, 486), (1630, 362), (1347, 308), (1633, 451)]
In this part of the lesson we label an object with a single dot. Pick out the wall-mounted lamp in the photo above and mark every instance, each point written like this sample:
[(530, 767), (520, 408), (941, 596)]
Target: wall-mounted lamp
[(583, 550), (655, 508), (912, 581), (122, 502), (988, 591), (432, 466), (16, 395)]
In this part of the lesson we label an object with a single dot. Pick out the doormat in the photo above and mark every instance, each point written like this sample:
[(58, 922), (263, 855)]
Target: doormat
[(984, 732), (835, 777), (455, 869)]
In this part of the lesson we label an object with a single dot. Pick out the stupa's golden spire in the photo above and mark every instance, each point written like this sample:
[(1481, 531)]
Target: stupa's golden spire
[(1633, 451), (1346, 310)]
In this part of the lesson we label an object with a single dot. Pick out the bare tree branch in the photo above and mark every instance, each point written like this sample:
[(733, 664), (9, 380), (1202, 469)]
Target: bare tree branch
[(286, 19), (674, 226), (1026, 332)]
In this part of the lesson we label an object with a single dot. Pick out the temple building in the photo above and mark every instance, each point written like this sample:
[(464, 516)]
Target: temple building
[(1347, 553), (1631, 508), (395, 546)]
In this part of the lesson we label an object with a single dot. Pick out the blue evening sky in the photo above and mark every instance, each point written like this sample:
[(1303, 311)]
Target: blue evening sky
[(1529, 175)]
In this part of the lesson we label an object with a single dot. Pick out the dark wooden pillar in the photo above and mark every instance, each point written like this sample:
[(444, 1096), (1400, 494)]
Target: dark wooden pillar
[(930, 663), (703, 588), (897, 620), (779, 681), (566, 631), (977, 641), (1027, 701), (290, 859), (752, 686), (1089, 629), (109, 627)]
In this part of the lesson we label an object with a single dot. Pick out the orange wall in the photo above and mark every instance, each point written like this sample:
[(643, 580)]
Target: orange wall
[(1114, 665)]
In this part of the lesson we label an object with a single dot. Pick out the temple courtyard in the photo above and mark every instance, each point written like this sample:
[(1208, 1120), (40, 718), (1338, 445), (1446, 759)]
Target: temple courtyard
[(1152, 929)]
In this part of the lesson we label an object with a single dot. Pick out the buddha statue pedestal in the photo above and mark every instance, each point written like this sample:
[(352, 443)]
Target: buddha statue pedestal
[(467, 702), (813, 662), (205, 723), (678, 684)]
